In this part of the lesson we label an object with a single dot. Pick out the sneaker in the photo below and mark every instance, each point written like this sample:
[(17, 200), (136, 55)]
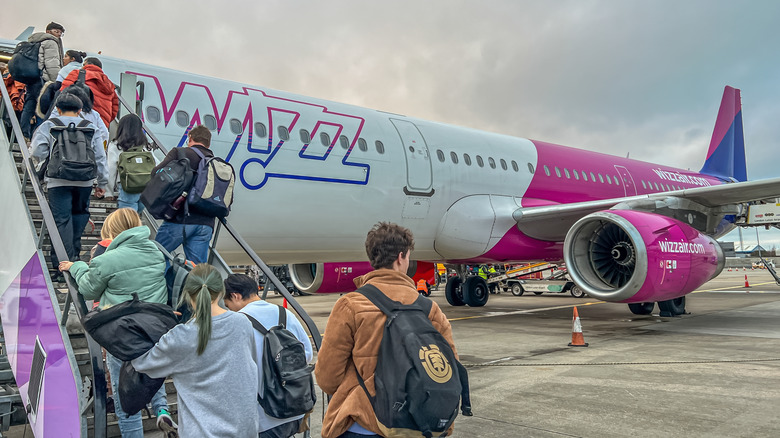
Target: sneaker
[(166, 424)]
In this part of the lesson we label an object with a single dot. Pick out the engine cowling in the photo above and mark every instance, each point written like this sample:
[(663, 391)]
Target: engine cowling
[(338, 277), (633, 256)]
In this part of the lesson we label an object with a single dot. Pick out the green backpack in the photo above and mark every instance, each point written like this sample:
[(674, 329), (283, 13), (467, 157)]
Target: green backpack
[(135, 169)]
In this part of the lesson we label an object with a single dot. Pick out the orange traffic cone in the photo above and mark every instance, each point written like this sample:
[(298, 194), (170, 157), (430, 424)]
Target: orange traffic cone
[(746, 281), (577, 340)]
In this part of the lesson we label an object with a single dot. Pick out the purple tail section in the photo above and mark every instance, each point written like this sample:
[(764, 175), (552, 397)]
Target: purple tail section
[(726, 157)]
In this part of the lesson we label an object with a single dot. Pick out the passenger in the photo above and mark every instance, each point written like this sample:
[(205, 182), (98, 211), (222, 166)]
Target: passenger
[(212, 361), (193, 231), (131, 264), (73, 61), (69, 200), (105, 99), (129, 135), (241, 296), (355, 329), (50, 89), (16, 91), (50, 62), (88, 113)]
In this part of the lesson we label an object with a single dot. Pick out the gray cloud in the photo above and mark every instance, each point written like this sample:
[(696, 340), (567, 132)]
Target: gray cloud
[(619, 77)]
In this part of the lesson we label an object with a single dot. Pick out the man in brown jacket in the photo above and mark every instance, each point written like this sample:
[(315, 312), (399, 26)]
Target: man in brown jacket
[(355, 329)]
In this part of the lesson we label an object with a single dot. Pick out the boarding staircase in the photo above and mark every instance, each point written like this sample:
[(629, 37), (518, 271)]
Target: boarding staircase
[(83, 353)]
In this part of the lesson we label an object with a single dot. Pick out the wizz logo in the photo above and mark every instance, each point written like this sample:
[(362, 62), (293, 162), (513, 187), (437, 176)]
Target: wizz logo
[(261, 156)]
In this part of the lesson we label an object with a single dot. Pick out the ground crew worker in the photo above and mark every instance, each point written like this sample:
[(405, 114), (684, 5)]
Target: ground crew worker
[(422, 287)]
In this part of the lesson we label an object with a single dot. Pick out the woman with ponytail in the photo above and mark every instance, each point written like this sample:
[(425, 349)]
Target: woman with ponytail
[(211, 359)]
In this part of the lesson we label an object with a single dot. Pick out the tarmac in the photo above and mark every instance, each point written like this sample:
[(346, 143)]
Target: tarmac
[(712, 372)]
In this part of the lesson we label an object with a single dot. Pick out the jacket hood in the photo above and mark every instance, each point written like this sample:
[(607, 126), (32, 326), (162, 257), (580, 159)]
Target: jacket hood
[(132, 236), (37, 37), (388, 276), (97, 78)]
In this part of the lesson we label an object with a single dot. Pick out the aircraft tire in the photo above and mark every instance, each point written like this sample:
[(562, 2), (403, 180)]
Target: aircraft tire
[(475, 291), (673, 307), (453, 292), (577, 292), (641, 308), (517, 290)]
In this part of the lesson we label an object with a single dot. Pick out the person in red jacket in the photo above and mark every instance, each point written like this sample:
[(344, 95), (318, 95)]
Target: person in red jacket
[(106, 103)]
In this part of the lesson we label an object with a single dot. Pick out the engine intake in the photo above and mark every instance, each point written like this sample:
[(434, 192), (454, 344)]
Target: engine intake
[(633, 256)]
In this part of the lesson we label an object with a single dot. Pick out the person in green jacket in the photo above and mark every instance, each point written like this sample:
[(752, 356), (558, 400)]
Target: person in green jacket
[(131, 264)]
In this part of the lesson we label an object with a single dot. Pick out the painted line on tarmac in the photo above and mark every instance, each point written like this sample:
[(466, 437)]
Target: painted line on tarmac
[(732, 288), (522, 312)]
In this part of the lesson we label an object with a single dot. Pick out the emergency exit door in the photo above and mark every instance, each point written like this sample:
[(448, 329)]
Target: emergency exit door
[(419, 175)]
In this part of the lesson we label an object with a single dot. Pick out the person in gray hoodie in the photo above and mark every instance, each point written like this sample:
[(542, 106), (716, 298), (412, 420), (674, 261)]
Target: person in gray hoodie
[(212, 362), (69, 200), (50, 57)]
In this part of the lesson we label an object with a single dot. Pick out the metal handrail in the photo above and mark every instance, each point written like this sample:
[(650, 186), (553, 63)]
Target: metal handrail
[(49, 226), (313, 330)]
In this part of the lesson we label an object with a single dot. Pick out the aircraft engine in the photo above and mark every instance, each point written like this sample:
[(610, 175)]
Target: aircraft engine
[(634, 257), (338, 277)]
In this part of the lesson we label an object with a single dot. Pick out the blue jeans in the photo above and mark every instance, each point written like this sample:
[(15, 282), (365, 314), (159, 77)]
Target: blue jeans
[(129, 200), (70, 208), (194, 238), (131, 427)]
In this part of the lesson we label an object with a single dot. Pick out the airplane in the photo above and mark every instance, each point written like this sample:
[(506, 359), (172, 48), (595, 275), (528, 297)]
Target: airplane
[(313, 176)]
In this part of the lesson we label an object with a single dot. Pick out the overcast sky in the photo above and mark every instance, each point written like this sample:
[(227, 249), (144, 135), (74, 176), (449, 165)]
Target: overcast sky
[(621, 76)]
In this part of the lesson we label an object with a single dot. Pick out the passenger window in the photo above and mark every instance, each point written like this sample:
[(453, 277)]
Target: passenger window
[(601, 179), (584, 176), (576, 175), (284, 134), (454, 157), (617, 180), (592, 177), (210, 122), (344, 142), (325, 139), (182, 119), (440, 155), (557, 172), (566, 171), (503, 164), (260, 130), (609, 180), (153, 114), (380, 148), (514, 166), (656, 187), (643, 185), (362, 144), (531, 168), (546, 170), (235, 126), (467, 159), (480, 163), (305, 136)]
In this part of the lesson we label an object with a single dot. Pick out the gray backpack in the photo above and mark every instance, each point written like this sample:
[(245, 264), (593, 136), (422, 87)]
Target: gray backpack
[(71, 156)]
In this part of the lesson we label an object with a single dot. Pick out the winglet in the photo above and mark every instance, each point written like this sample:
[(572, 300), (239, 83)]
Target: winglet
[(726, 156), (25, 34)]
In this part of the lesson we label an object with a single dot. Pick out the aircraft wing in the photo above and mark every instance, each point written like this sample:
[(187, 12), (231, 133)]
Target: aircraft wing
[(552, 222)]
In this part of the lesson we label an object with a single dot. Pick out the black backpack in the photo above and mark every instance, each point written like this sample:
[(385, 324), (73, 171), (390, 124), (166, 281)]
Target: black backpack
[(288, 385), (166, 192), (417, 379), (23, 65), (71, 156)]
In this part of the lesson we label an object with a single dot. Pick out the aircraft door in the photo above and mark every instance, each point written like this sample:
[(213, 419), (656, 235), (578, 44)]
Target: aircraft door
[(628, 181), (419, 175)]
